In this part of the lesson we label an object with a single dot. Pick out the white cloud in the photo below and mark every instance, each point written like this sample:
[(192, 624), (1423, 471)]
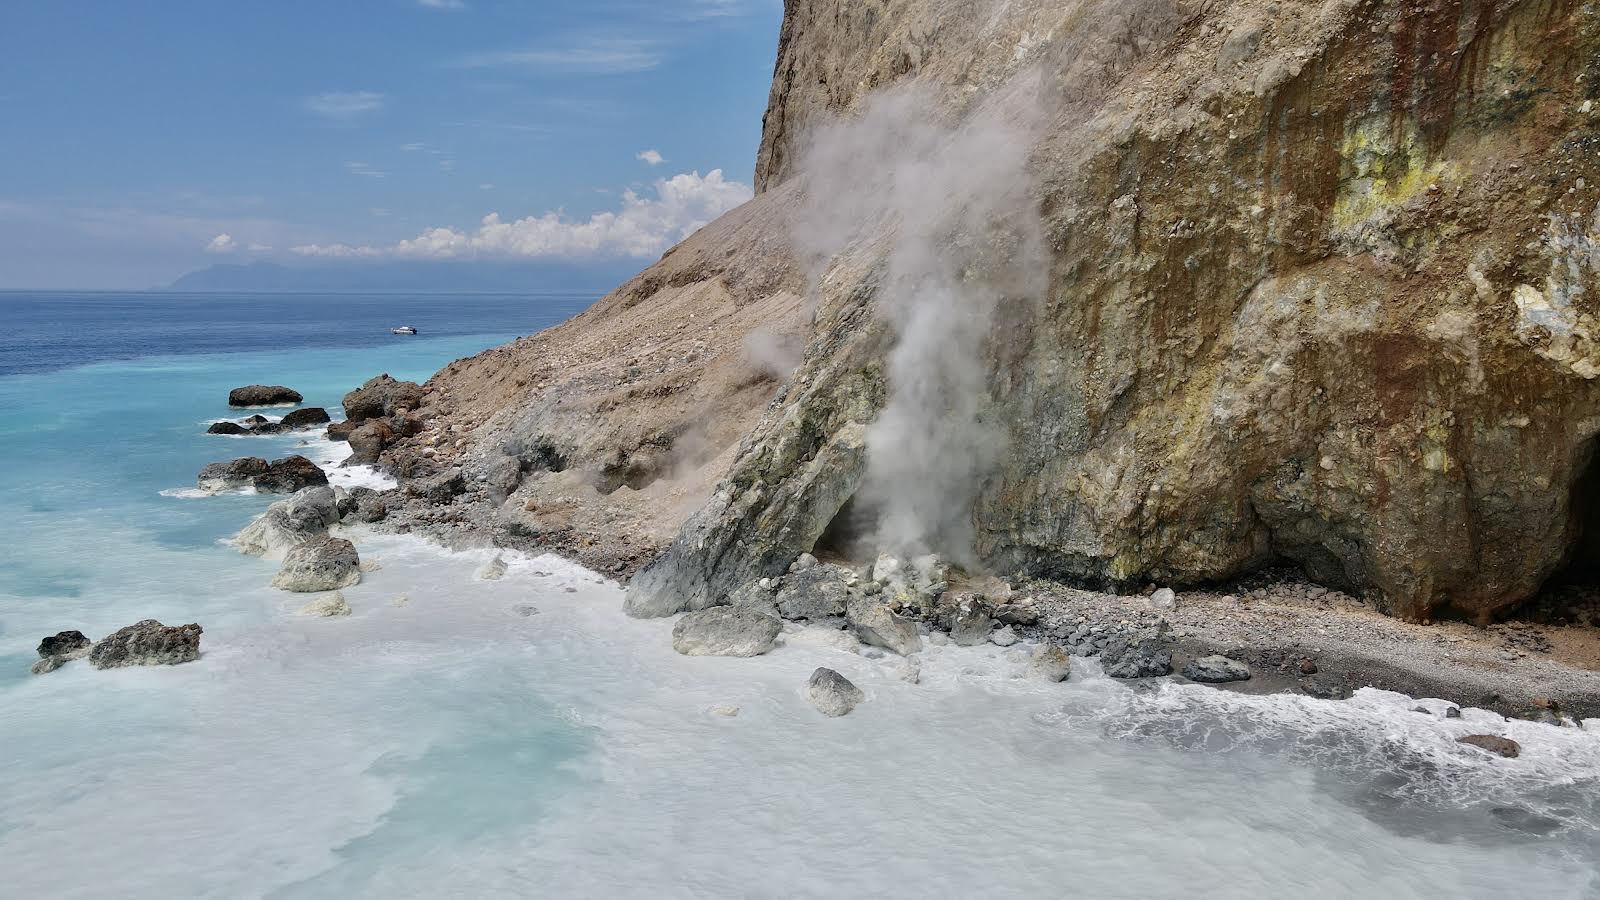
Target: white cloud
[(642, 227), (344, 105), (222, 243), (650, 157), (596, 56), (364, 170), (443, 4)]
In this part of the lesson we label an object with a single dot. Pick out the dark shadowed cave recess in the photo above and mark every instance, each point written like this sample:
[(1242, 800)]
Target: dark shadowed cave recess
[(848, 539)]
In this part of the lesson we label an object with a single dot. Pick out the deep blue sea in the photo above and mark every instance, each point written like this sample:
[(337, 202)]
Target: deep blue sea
[(460, 736)]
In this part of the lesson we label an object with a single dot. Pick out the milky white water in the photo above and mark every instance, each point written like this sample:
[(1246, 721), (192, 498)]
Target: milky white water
[(522, 737)]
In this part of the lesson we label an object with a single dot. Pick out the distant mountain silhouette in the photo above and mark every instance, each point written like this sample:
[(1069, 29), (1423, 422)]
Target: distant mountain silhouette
[(424, 277)]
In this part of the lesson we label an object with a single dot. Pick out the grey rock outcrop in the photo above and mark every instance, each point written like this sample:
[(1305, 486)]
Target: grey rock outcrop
[(440, 488), (971, 623), (1136, 659), (289, 523), (263, 395), (818, 591), (320, 564), (1050, 663), (832, 694), (147, 643), (1216, 669), (873, 622), (725, 631)]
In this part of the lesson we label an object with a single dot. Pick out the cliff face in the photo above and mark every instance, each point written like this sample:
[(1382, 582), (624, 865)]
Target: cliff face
[(1321, 286), (1318, 286)]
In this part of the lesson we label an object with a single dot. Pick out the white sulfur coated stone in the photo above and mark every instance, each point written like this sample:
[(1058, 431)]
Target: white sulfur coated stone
[(725, 631), (494, 570)]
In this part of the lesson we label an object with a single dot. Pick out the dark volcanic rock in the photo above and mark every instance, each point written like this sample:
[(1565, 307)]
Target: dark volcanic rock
[(381, 396), (305, 418), (235, 473), (290, 474), (440, 488), (368, 441), (263, 395), (1326, 686), (1503, 746), (340, 431), (227, 427), (1145, 659), (63, 643), (1217, 669), (148, 643)]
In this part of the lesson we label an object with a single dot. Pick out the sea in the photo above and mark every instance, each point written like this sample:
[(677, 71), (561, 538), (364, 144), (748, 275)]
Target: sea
[(521, 737)]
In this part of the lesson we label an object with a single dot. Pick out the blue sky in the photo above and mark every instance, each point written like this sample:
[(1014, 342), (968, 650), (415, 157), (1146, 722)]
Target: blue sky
[(142, 140)]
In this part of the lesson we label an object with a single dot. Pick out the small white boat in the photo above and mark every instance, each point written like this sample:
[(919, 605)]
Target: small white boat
[(403, 329)]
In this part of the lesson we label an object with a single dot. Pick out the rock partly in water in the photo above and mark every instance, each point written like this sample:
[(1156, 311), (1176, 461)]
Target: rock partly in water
[(60, 648), (1501, 746), (381, 396), (327, 606), (874, 624), (823, 637), (368, 505), (1003, 636), (725, 631), (320, 564), (263, 395), (290, 474), (494, 570), (367, 442), (1050, 663), (227, 426), (1123, 658), (224, 476), (1217, 669), (440, 488), (147, 643), (289, 523), (309, 417), (971, 623), (831, 693)]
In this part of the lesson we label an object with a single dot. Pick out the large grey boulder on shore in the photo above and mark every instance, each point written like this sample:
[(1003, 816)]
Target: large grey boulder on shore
[(1216, 669), (147, 643), (320, 564), (725, 631), (263, 395), (832, 694), (289, 523), (873, 622), (816, 592)]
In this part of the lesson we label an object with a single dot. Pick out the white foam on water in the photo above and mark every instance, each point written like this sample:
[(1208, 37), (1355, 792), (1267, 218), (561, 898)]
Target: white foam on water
[(453, 746)]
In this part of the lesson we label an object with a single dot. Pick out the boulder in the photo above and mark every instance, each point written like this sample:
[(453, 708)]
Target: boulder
[(289, 523), (824, 638), (327, 606), (440, 488), (971, 623), (308, 417), (1216, 669), (1489, 743), (1123, 658), (755, 595), (873, 622), (381, 396), (368, 505), (263, 395), (60, 648), (227, 426), (1165, 598), (340, 431), (147, 643), (1050, 663), (1328, 686), (320, 564), (1016, 614), (817, 591), (502, 476), (1003, 636), (290, 474), (831, 693), (725, 631), (222, 476), (494, 570), (367, 442)]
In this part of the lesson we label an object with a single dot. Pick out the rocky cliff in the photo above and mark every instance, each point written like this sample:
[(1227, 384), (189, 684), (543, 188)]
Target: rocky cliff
[(1291, 282)]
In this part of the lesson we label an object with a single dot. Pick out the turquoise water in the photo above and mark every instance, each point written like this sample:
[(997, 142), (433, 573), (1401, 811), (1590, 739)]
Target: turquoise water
[(441, 741)]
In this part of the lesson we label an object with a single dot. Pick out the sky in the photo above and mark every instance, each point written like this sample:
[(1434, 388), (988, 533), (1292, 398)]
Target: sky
[(143, 140)]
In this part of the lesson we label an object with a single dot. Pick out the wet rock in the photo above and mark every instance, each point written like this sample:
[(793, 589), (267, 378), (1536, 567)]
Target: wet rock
[(817, 591), (147, 643), (227, 427), (725, 710), (1050, 663), (289, 523), (309, 417), (494, 570), (1502, 746), (909, 669), (1216, 669), (831, 693), (1453, 712), (381, 396), (64, 643), (1123, 658), (876, 625), (327, 606), (320, 564), (971, 623), (340, 431), (369, 505), (1003, 636), (263, 395), (290, 474), (725, 631), (1325, 686), (367, 442), (440, 488), (222, 476)]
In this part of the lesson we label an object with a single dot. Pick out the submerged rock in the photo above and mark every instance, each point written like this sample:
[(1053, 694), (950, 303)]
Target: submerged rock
[(289, 523), (327, 606), (1502, 746), (263, 395), (494, 570), (725, 631), (1217, 669), (874, 624), (1050, 663), (320, 564), (831, 693), (826, 638), (147, 643), (307, 417)]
